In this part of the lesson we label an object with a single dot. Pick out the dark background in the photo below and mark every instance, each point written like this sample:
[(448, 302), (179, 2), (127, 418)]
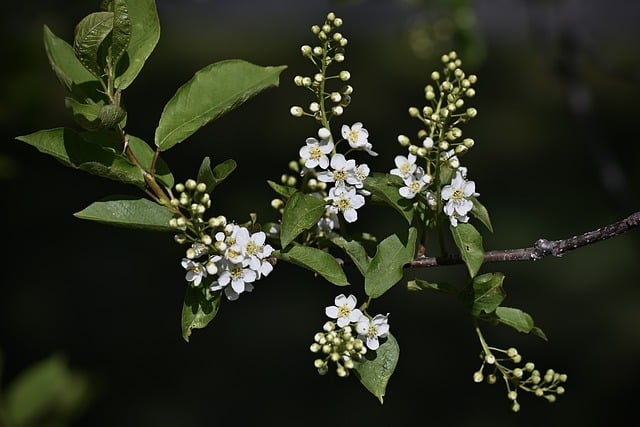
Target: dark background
[(556, 155)]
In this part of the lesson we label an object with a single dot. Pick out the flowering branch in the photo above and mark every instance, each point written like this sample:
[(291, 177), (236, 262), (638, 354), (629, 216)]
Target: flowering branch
[(541, 248)]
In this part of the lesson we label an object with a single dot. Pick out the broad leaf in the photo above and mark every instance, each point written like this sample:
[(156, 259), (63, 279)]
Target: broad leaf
[(481, 213), (376, 368), (516, 318), (128, 212), (387, 265), (145, 33), (284, 190), (95, 116), (73, 76), (384, 191), (301, 212), (90, 32), (488, 293), (199, 308), (77, 151), (212, 92), (212, 177), (121, 33), (356, 252), (469, 242), (316, 260), (423, 285)]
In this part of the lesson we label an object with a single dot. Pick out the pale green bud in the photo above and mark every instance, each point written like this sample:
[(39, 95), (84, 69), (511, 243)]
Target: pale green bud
[(206, 239), (471, 92), (337, 110), (315, 29), (403, 140), (335, 97), (191, 253), (212, 268), (472, 112), (414, 112), (490, 359), (347, 90), (343, 41), (318, 77), (421, 152), (478, 377), (435, 76), (180, 238), (331, 16), (337, 22), (512, 395), (473, 78), (191, 184), (173, 222), (337, 36), (338, 57), (182, 221), (314, 107), (345, 75), (201, 187), (306, 50), (427, 143), (318, 51)]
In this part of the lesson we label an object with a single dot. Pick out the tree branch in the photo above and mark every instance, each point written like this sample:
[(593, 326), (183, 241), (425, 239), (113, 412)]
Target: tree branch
[(541, 248)]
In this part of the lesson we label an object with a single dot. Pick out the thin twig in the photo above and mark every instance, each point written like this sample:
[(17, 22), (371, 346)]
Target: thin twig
[(541, 248)]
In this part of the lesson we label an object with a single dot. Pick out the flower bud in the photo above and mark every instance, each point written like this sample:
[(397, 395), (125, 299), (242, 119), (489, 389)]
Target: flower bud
[(403, 140), (414, 112), (345, 75), (324, 133)]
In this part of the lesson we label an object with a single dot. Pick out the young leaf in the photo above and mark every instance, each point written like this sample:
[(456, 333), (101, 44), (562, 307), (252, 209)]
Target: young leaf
[(145, 33), (73, 76), (316, 260), (387, 266), (301, 212), (355, 251), (469, 242), (283, 190), (86, 115), (220, 172), (516, 318), (121, 33), (90, 32), (382, 190), (481, 213), (211, 92), (374, 373), (128, 212), (488, 293), (198, 309), (77, 151)]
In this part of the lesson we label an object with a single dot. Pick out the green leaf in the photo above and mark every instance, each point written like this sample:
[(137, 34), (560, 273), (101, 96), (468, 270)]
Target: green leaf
[(376, 368), (301, 212), (387, 265), (95, 116), (356, 252), (284, 190), (481, 213), (316, 260), (516, 318), (121, 33), (90, 32), (47, 390), (78, 151), (383, 190), (73, 76), (423, 285), (211, 178), (469, 242), (199, 308), (212, 92), (145, 33), (488, 293), (128, 212)]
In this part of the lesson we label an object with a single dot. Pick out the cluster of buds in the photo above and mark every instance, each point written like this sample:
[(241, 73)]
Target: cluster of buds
[(523, 377), (226, 256), (338, 345), (329, 50)]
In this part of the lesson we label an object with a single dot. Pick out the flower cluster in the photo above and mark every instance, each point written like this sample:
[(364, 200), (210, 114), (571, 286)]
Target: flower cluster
[(524, 377), (440, 182), (338, 342), (227, 255)]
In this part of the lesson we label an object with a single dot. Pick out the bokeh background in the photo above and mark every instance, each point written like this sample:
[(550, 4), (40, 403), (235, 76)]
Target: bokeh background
[(556, 155)]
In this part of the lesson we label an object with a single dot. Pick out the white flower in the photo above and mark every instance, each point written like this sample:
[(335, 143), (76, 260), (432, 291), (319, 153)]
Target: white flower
[(344, 310), (195, 271), (369, 330), (414, 184), (405, 166), (456, 194), (358, 175), (342, 169), (346, 200), (315, 153), (358, 137), (237, 275)]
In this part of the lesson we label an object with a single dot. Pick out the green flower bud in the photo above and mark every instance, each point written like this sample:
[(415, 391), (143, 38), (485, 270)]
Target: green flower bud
[(338, 57), (337, 22), (318, 51), (478, 377), (403, 140), (435, 76), (345, 75), (191, 184), (512, 395), (414, 112), (306, 50)]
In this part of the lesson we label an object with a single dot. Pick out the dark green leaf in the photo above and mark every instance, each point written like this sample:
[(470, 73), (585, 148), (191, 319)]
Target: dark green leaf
[(121, 33), (47, 390), (73, 76), (356, 252), (469, 242), (516, 318), (90, 32), (199, 308), (301, 212), (211, 178), (86, 115), (129, 212), (376, 368), (316, 260), (423, 285), (481, 213), (78, 151), (383, 190), (284, 190), (145, 33), (386, 267), (488, 293), (212, 92)]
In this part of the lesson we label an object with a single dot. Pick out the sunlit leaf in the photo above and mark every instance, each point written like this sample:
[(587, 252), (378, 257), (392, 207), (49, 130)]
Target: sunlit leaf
[(376, 368), (386, 267), (284, 190), (90, 32), (355, 251), (121, 33), (212, 177), (199, 308), (301, 212), (481, 213), (516, 318), (128, 212), (488, 293), (316, 260), (469, 243), (384, 191), (212, 92)]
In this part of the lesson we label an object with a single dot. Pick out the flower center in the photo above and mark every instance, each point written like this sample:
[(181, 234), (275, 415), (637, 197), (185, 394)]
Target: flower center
[(315, 153), (344, 204), (252, 248), (236, 272), (353, 136), (457, 195), (344, 311), (340, 174)]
